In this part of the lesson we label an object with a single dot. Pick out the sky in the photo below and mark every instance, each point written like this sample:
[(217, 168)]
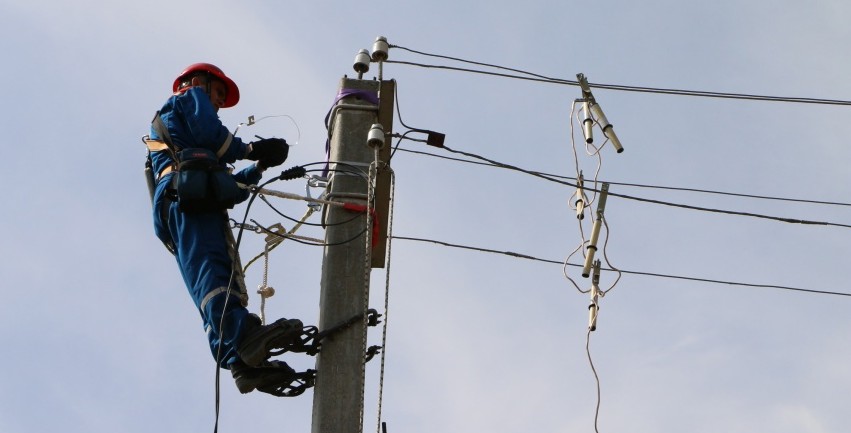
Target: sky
[(101, 336)]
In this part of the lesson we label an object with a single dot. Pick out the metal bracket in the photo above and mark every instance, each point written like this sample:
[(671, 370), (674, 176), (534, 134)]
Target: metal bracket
[(586, 88)]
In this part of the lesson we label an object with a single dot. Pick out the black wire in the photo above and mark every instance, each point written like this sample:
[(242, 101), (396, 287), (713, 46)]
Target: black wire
[(337, 170), (398, 112), (262, 197), (638, 185), (404, 137), (541, 78), (254, 193), (480, 64), (647, 200), (284, 236), (554, 178), (354, 169), (648, 274)]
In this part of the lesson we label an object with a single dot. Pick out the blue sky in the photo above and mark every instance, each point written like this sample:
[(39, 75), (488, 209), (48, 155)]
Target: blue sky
[(101, 336)]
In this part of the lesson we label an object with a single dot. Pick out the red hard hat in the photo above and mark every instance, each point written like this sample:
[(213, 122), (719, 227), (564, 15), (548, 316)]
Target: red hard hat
[(233, 91)]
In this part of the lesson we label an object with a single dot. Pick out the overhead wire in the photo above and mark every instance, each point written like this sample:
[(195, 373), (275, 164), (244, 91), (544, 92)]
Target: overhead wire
[(531, 76), (653, 201), (596, 152), (624, 271), (638, 185), (556, 176)]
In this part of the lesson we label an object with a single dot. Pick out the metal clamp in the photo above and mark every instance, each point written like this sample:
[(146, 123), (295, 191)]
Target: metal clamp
[(252, 228)]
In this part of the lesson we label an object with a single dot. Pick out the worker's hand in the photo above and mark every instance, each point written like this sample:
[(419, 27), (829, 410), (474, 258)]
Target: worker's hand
[(268, 152)]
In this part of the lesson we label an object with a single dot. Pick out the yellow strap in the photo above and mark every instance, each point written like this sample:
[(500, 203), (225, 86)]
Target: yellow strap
[(225, 146), (156, 145), (159, 146), (165, 171)]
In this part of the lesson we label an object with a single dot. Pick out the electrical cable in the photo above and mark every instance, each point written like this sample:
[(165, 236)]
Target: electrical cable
[(640, 273), (271, 206), (399, 141), (227, 298), (299, 239), (402, 122), (639, 185), (659, 202), (545, 79), (596, 378), (237, 242)]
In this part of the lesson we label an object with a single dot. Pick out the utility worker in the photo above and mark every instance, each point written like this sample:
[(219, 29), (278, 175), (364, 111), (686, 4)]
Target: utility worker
[(187, 134)]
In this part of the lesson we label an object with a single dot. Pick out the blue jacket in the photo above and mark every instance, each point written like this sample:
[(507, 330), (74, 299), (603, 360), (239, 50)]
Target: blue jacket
[(192, 121), (200, 239)]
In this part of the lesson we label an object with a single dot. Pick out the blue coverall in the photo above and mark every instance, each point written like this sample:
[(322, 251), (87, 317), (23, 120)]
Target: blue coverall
[(201, 239)]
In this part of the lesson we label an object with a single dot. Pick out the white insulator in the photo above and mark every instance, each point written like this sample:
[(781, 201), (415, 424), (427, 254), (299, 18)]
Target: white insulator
[(595, 233), (375, 139), (598, 114), (610, 133), (592, 312), (592, 248), (380, 49), (587, 124), (594, 307), (580, 208), (362, 60)]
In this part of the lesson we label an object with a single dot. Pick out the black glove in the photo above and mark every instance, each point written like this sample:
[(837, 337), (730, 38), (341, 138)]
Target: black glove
[(268, 152)]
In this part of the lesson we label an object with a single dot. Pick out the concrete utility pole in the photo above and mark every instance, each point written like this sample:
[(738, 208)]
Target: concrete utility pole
[(338, 395)]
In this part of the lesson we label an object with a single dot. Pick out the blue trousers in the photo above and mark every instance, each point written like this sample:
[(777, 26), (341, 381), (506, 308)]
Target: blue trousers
[(206, 262)]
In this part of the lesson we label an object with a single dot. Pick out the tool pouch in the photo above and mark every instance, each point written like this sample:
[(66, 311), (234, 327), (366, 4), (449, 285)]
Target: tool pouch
[(203, 185)]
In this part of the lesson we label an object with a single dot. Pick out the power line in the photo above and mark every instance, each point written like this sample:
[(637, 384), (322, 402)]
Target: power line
[(647, 274), (638, 185), (530, 76), (653, 201)]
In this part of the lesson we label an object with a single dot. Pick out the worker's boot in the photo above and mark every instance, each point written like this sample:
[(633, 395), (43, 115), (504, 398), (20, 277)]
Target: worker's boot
[(268, 374), (258, 340)]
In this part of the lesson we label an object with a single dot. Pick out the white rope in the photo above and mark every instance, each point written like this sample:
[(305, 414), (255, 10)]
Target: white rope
[(281, 236), (264, 290), (272, 241)]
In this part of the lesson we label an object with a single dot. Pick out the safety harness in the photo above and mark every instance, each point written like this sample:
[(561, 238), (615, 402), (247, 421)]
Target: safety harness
[(200, 184), (152, 179)]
